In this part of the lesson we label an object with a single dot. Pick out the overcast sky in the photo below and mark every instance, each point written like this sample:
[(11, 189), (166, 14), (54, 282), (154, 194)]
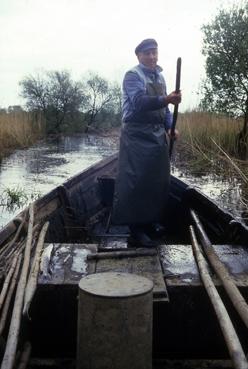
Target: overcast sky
[(100, 35)]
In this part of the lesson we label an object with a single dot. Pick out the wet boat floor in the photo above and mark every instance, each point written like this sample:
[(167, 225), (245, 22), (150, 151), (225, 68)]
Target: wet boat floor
[(173, 266), (174, 262), (165, 364), (176, 255)]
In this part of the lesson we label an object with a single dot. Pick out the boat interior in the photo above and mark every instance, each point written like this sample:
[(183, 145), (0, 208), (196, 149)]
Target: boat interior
[(83, 240)]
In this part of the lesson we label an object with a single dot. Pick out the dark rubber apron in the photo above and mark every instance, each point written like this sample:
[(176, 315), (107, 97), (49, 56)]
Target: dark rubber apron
[(144, 169)]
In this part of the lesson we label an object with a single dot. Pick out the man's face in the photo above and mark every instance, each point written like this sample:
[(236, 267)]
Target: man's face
[(148, 58)]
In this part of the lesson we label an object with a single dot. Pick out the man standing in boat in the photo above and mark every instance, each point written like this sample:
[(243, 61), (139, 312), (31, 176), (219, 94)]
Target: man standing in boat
[(143, 178)]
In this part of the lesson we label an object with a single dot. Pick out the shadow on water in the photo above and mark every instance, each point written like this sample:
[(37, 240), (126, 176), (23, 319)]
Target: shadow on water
[(35, 171)]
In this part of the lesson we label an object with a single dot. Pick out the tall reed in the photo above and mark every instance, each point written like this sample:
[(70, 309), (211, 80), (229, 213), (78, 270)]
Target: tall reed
[(200, 128), (19, 129), (208, 144)]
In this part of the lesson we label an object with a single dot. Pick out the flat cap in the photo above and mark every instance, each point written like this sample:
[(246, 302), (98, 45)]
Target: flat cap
[(146, 44)]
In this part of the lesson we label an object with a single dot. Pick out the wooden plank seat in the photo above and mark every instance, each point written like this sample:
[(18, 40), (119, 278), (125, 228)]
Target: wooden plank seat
[(173, 264), (64, 264), (68, 263), (180, 268)]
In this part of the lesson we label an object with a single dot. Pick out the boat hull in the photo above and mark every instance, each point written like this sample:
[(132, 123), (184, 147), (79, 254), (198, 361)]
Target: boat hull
[(184, 324)]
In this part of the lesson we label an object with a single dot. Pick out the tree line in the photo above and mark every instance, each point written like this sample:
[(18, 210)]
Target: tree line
[(72, 106), (93, 102)]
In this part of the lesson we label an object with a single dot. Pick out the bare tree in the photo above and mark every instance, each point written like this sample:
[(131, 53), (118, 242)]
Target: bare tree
[(56, 95), (34, 90), (99, 96), (65, 102), (65, 99)]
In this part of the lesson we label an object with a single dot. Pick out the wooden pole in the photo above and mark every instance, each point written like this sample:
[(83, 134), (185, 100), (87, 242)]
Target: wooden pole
[(12, 341), (234, 347), (122, 254), (175, 113), (8, 280), (9, 295), (16, 235), (32, 280), (232, 290)]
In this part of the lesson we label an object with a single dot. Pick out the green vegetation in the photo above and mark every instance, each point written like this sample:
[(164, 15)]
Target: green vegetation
[(13, 198), (16, 197), (225, 46)]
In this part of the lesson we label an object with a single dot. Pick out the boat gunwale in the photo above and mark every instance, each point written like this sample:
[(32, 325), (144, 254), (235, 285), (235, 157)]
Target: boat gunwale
[(52, 195), (212, 204), (70, 183)]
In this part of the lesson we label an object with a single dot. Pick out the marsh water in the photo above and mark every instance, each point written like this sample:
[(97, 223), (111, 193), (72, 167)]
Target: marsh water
[(29, 173)]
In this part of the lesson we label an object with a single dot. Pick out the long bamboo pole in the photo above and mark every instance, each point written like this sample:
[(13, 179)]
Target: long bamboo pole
[(175, 113), (11, 345), (7, 281), (16, 235), (232, 290), (9, 295), (32, 280), (233, 344)]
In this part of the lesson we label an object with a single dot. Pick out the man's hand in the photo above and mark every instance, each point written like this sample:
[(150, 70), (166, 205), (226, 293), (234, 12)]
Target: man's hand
[(173, 98), (174, 136)]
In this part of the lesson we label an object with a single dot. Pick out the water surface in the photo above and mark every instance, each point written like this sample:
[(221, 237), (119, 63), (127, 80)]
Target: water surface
[(35, 171), (226, 192), (40, 168)]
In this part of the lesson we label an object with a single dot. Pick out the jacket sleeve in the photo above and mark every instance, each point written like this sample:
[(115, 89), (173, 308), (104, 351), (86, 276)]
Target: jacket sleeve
[(135, 89)]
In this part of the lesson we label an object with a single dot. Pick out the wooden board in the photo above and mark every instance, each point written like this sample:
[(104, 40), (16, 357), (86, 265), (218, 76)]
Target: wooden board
[(67, 263), (147, 266), (180, 268)]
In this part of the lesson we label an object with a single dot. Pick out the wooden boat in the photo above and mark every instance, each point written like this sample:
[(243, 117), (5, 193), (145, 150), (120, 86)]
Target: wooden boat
[(186, 332)]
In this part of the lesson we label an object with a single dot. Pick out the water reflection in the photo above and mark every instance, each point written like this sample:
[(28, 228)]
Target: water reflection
[(43, 166), (227, 192), (40, 168)]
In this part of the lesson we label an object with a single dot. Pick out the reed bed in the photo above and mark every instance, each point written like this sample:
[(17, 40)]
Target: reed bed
[(208, 144), (19, 129), (199, 128), (204, 138)]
